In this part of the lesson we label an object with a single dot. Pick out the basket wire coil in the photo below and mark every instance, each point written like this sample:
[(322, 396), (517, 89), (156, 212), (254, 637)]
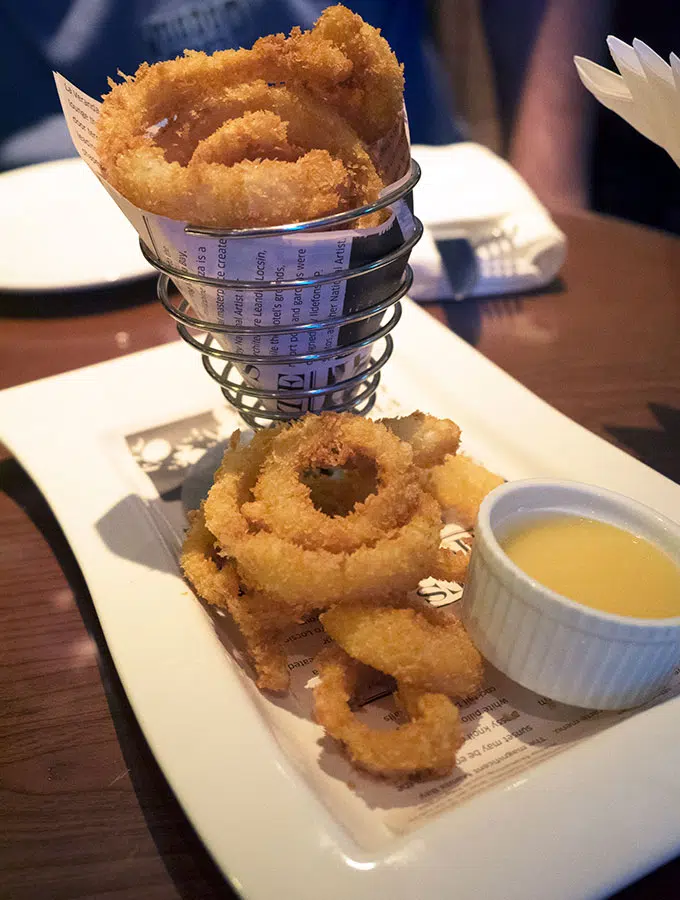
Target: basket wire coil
[(356, 391)]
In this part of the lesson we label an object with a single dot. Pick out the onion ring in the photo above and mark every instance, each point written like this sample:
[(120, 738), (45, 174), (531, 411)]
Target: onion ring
[(210, 162), (233, 484), (249, 193), (426, 745), (457, 482), (430, 438), (303, 578), (234, 480), (250, 136), (283, 501), (420, 646), (460, 484), (219, 586), (370, 98)]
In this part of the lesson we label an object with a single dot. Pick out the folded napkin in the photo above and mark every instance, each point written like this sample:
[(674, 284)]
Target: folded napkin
[(646, 93), (486, 232)]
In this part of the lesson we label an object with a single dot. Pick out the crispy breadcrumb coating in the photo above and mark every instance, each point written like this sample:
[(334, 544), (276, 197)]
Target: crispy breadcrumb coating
[(418, 645), (191, 138), (426, 745), (460, 484)]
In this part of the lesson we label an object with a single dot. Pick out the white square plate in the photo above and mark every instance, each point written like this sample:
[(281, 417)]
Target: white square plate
[(581, 824)]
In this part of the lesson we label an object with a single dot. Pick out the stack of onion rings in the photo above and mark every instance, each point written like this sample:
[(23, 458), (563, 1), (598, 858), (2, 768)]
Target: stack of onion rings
[(261, 548), (380, 549), (256, 137)]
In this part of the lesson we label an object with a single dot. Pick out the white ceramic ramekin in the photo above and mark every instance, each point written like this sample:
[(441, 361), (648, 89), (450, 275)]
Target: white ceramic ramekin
[(548, 643)]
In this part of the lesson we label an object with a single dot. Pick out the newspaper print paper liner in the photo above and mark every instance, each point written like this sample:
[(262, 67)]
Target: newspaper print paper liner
[(274, 259)]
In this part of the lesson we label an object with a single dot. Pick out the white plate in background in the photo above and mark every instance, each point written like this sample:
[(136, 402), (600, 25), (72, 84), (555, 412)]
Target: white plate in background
[(60, 230)]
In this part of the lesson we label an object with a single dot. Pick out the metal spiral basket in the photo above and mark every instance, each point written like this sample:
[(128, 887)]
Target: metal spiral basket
[(363, 344)]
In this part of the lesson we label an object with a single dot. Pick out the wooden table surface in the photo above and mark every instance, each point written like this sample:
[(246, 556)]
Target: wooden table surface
[(84, 810)]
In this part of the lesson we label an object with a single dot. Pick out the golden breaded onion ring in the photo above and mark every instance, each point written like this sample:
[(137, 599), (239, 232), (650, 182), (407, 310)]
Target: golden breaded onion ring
[(251, 136), (288, 566), (283, 501), (431, 439), (420, 646), (236, 476), (219, 586), (153, 128), (247, 194), (460, 484), (329, 169), (426, 745), (306, 579), (216, 585), (232, 488), (371, 97)]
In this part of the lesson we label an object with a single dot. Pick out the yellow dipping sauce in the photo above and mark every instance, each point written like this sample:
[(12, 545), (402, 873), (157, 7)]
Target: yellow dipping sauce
[(596, 564)]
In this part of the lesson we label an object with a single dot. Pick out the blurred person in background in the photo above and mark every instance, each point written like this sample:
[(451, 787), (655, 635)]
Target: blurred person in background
[(496, 71), (516, 86), (88, 40)]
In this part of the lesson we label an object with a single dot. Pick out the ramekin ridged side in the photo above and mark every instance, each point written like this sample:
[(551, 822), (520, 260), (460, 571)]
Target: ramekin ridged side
[(558, 648)]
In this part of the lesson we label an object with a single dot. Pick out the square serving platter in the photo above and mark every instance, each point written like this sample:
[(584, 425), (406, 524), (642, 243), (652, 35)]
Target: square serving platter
[(108, 446)]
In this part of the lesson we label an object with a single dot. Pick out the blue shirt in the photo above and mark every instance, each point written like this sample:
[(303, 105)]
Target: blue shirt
[(88, 40)]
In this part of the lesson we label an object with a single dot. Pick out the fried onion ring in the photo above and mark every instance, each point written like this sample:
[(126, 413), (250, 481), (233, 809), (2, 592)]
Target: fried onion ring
[(457, 482), (431, 439), (233, 483), (255, 192), (177, 173), (419, 645), (219, 586), (304, 580), (370, 98), (303, 575), (460, 484), (426, 745), (251, 136), (283, 501), (221, 161)]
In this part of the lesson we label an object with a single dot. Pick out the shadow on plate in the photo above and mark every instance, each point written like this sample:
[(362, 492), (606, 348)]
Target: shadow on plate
[(121, 532)]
